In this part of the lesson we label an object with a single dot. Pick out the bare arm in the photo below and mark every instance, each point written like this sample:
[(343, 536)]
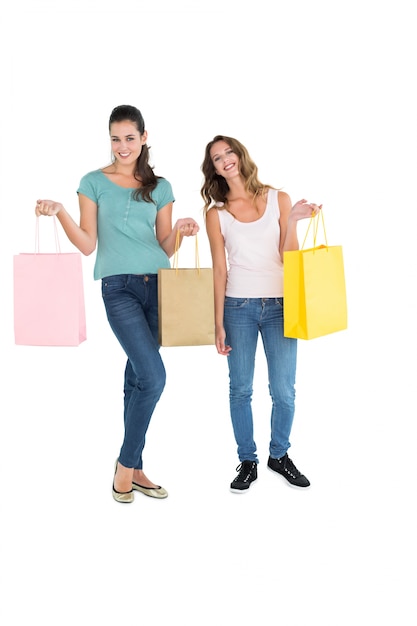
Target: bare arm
[(166, 235), (82, 236), (218, 256)]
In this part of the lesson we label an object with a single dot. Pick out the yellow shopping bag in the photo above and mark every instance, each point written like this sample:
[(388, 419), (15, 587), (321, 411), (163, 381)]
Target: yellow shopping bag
[(314, 289), (186, 304)]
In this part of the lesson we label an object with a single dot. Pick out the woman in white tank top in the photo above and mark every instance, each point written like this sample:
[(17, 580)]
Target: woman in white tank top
[(249, 226)]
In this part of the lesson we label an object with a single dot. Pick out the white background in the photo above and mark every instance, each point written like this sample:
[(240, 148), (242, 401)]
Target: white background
[(323, 95)]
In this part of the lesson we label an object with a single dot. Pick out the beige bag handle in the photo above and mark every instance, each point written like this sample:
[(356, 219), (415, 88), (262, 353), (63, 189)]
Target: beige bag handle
[(177, 247)]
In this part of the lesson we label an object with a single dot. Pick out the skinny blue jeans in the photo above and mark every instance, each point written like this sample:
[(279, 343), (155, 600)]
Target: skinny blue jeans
[(244, 320), (131, 303)]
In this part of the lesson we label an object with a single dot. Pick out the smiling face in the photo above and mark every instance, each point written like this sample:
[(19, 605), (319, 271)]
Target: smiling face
[(126, 142), (225, 161)]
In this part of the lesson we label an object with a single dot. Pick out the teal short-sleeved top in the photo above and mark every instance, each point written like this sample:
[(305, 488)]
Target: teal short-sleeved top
[(126, 240)]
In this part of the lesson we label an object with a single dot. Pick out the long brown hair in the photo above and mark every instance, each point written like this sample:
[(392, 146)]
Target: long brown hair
[(215, 187), (143, 173)]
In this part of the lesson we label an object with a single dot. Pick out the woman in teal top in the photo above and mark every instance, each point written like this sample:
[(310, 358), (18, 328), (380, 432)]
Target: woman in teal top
[(126, 211)]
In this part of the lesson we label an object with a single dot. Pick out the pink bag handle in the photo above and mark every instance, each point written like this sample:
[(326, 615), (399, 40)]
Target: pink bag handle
[(57, 245)]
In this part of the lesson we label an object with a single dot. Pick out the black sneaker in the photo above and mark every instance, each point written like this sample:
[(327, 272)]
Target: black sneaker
[(248, 472), (286, 468)]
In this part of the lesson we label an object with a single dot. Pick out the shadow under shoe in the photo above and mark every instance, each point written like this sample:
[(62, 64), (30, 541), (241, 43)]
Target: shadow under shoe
[(248, 472), (287, 469)]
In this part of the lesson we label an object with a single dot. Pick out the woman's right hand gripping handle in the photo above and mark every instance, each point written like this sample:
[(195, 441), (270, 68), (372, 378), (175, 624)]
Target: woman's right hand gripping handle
[(47, 207)]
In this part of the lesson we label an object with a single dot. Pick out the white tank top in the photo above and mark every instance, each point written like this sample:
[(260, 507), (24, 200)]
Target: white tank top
[(255, 269)]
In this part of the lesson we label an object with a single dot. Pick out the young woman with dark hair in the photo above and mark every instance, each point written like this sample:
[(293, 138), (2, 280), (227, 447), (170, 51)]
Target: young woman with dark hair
[(126, 211)]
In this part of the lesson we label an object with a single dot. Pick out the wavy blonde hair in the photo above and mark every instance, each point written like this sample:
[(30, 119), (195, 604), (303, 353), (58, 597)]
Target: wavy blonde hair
[(215, 187)]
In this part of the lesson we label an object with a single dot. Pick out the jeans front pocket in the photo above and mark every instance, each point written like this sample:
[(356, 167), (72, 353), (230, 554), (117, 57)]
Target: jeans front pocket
[(113, 284), (235, 303)]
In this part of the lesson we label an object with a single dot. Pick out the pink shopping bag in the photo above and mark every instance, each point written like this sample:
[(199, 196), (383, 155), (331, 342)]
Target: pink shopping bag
[(49, 307)]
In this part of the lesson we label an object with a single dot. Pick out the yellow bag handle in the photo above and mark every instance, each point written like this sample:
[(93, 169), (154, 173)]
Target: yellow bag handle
[(316, 219), (177, 247)]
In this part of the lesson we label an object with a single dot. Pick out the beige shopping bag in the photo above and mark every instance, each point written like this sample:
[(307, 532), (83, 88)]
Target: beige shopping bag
[(186, 304)]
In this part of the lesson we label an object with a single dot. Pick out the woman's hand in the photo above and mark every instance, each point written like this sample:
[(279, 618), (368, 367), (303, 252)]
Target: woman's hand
[(303, 209), (221, 347), (47, 207), (187, 226)]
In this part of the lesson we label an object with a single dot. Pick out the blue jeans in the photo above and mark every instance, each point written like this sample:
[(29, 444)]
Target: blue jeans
[(131, 303), (244, 319)]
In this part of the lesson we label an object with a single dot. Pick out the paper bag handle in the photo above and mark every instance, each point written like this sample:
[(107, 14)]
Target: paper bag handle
[(57, 246), (316, 219), (176, 250)]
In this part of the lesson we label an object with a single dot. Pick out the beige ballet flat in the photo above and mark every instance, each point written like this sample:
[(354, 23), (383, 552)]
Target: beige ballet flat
[(123, 496), (153, 492)]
